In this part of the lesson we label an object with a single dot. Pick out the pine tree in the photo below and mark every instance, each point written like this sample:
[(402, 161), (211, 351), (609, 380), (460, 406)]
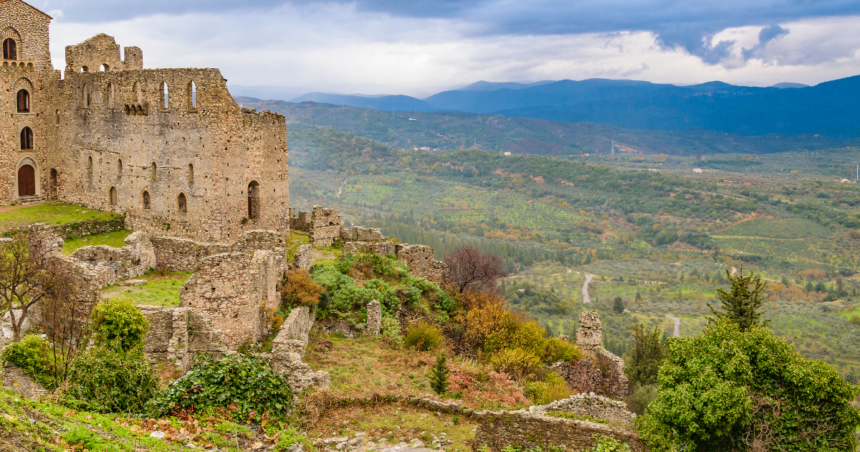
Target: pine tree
[(618, 305), (644, 360), (439, 376), (638, 296), (743, 304)]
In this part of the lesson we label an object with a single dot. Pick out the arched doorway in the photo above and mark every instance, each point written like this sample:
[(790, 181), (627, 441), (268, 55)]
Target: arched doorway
[(113, 196), (26, 180), (254, 200)]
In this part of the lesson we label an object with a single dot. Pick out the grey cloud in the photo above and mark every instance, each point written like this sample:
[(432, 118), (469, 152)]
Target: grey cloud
[(766, 35)]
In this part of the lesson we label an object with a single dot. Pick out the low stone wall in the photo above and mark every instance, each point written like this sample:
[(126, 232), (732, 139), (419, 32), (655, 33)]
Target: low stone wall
[(293, 335), (526, 430), (132, 260), (383, 248), (421, 262), (177, 335), (235, 290), (71, 231), (176, 254), (325, 226), (21, 384), (360, 234), (591, 405), (288, 349)]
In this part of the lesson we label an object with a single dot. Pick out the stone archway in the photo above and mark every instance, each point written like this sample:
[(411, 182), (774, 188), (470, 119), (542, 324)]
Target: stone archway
[(26, 180)]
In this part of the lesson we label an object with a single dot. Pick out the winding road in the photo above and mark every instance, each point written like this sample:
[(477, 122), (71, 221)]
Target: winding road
[(677, 325), (585, 297)]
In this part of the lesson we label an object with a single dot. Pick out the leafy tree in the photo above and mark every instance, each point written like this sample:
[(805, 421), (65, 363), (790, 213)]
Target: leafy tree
[(299, 289), (730, 390), (618, 305), (439, 376), (645, 358), (743, 304)]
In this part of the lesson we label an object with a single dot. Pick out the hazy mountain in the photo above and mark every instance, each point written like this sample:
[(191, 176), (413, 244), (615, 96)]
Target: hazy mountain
[(385, 103), (264, 92), (789, 85), (490, 86)]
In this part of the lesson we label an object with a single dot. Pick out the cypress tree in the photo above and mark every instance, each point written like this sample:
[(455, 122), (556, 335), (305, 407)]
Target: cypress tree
[(742, 305), (645, 358), (439, 376)]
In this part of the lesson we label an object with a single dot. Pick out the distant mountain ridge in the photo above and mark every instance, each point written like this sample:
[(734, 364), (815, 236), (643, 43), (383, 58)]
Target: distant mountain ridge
[(831, 108)]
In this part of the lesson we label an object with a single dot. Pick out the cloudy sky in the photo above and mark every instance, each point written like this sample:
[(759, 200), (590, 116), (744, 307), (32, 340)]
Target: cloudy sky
[(419, 47)]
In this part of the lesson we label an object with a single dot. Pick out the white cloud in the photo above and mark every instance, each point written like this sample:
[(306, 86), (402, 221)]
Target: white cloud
[(337, 48)]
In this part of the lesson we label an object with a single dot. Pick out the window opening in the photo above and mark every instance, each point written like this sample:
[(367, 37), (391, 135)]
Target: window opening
[(27, 138), (26, 181), (110, 95), (165, 93), (10, 49), (119, 169), (90, 169), (23, 101), (146, 202), (190, 173), (57, 117), (85, 69), (254, 200), (87, 97), (181, 203), (154, 171), (192, 96), (138, 96), (113, 196), (104, 68)]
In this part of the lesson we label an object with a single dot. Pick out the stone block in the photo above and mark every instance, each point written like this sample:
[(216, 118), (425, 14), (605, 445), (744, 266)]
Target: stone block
[(374, 318)]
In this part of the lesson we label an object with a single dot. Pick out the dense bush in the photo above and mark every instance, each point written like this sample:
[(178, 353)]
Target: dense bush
[(390, 328), (726, 390), (548, 390), (423, 336), (243, 384), (118, 319), (299, 289), (30, 354), (109, 378)]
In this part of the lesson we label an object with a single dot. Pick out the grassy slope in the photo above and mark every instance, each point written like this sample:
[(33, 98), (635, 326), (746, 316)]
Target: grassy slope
[(50, 213), (160, 289), (115, 239)]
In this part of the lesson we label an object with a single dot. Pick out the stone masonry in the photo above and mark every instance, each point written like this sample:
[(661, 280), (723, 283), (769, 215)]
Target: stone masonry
[(288, 349), (421, 262), (374, 318), (178, 254), (600, 371), (592, 405), (170, 148)]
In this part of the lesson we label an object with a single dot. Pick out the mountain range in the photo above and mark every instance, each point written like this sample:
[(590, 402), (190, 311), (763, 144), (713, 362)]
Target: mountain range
[(831, 109)]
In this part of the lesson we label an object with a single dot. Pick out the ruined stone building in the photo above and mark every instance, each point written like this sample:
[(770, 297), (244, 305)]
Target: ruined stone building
[(170, 148)]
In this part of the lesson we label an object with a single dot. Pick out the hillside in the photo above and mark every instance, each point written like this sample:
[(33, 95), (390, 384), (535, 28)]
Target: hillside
[(455, 130)]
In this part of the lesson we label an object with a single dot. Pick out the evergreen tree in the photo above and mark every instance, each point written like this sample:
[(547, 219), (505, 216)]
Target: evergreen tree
[(638, 296), (644, 360), (618, 305), (742, 305), (439, 376)]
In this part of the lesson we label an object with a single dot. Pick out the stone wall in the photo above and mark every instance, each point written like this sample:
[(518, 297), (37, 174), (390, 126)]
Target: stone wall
[(592, 405), (236, 290), (325, 226), (599, 371), (421, 262), (304, 257), (21, 384), (374, 318), (526, 430), (130, 261), (178, 254), (288, 349), (177, 335), (360, 234), (382, 248)]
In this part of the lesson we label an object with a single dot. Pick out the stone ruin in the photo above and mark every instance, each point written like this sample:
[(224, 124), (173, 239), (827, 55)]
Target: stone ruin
[(323, 225), (591, 405), (288, 349), (601, 372)]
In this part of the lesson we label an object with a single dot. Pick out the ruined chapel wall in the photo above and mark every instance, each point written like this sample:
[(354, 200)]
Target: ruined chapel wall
[(178, 254), (209, 153), (92, 54)]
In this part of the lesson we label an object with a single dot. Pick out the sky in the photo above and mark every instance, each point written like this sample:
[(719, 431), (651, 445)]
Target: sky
[(420, 47)]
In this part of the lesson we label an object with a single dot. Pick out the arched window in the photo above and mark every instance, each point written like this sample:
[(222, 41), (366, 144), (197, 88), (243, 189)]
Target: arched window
[(154, 171), (114, 198), (192, 96), (10, 49), (27, 138), (57, 117), (181, 203), (119, 169), (23, 101), (254, 200), (190, 173), (87, 99), (138, 95), (165, 93), (147, 204), (105, 68), (109, 95), (90, 169), (85, 69)]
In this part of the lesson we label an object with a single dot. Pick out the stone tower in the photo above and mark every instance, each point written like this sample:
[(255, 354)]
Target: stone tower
[(590, 333)]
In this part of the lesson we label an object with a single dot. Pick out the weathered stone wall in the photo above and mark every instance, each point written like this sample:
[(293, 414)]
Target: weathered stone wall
[(599, 371), (304, 257), (592, 405), (132, 260), (293, 335), (177, 335), (383, 248), (325, 226), (235, 290), (360, 234), (420, 261), (101, 52), (374, 318), (178, 254), (525, 430), (288, 349), (21, 384)]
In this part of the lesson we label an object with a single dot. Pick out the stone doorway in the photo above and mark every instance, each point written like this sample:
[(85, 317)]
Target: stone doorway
[(26, 181)]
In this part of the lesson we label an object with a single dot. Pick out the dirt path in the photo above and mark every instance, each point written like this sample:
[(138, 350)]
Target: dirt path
[(24, 206), (585, 297), (677, 325), (340, 189)]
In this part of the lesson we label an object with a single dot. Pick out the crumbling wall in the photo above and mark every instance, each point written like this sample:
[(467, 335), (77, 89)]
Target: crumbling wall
[(374, 318), (288, 349), (382, 248), (360, 234), (304, 257), (235, 290), (21, 384), (178, 254), (592, 405), (420, 261), (599, 371), (132, 260), (177, 335), (525, 430), (325, 226)]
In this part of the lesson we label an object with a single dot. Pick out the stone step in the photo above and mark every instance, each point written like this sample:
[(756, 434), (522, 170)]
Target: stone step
[(30, 199)]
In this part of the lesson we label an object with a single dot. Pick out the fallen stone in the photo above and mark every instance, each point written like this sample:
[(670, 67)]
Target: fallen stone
[(135, 282), (158, 434)]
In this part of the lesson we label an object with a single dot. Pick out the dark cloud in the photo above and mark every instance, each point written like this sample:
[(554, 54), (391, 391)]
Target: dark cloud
[(683, 24), (766, 35)]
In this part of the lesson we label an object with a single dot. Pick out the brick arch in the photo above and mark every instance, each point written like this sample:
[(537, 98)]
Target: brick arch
[(10, 32), (23, 83)]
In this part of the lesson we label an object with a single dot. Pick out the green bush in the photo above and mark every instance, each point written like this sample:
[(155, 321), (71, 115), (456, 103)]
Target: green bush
[(390, 328), (31, 355), (552, 388), (244, 381), (110, 379), (118, 319), (641, 397), (289, 437), (423, 336)]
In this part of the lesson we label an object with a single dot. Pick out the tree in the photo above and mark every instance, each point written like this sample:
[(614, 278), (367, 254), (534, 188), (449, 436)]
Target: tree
[(618, 305), (28, 275), (730, 390), (644, 360), (439, 376), (743, 304), (473, 270)]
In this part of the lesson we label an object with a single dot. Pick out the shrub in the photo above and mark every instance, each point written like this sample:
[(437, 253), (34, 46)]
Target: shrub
[(517, 362), (290, 437), (423, 336), (243, 384), (439, 376), (390, 328), (299, 289), (552, 388), (82, 438), (554, 350), (641, 397), (118, 319), (30, 354), (110, 379)]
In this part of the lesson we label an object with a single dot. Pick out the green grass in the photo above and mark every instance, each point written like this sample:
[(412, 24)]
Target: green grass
[(52, 214), (160, 290), (115, 239)]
